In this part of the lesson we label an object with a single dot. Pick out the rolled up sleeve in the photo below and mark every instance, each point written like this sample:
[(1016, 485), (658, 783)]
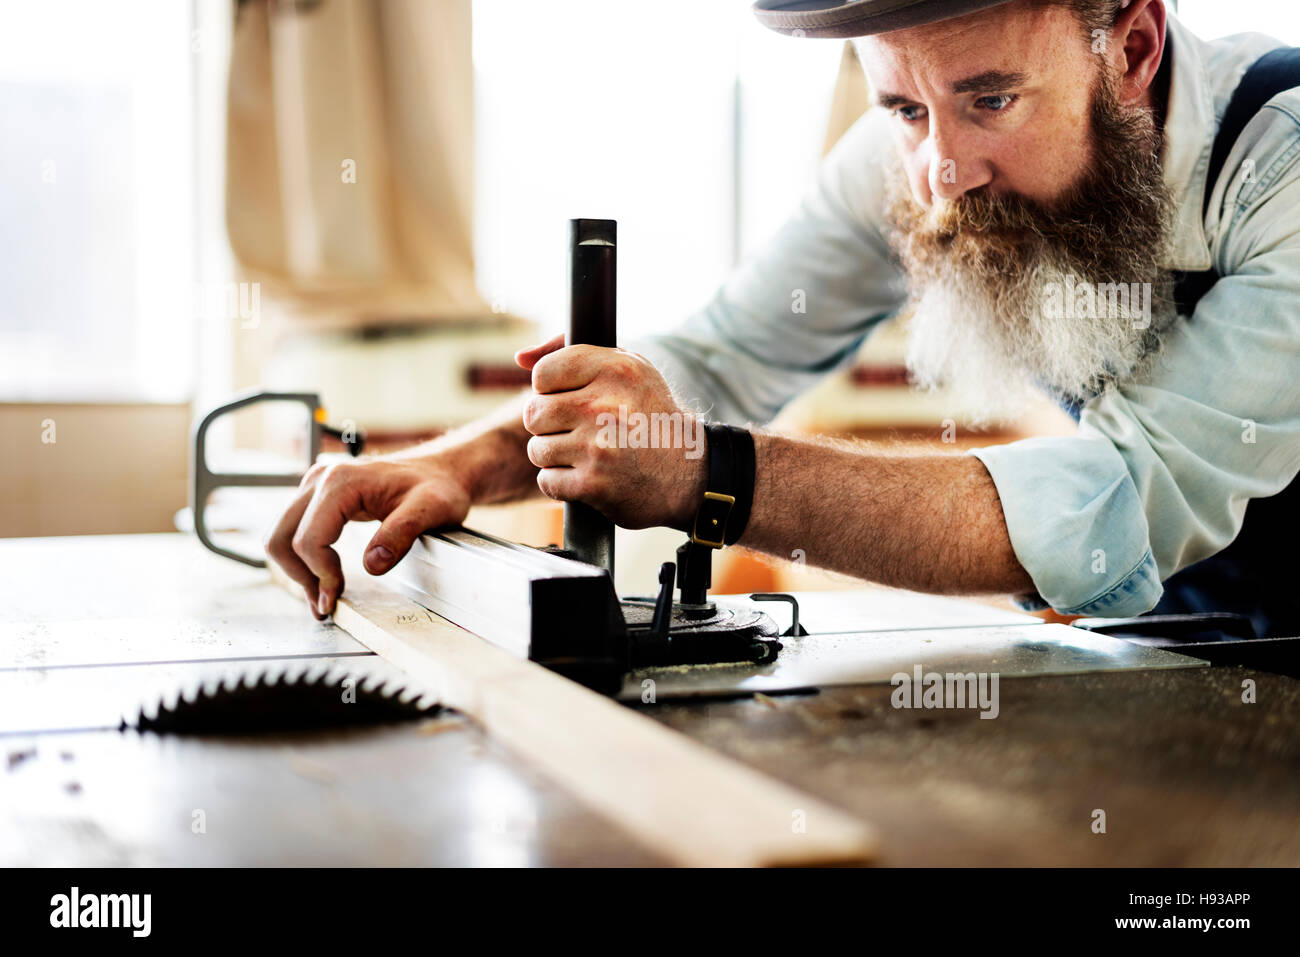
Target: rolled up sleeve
[(1077, 525), (1163, 467)]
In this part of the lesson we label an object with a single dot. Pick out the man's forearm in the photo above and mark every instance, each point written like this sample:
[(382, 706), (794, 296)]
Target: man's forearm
[(928, 522), (489, 455)]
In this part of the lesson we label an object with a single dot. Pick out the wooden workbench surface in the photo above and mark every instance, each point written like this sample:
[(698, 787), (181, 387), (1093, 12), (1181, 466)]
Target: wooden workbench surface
[(435, 793), (1185, 772)]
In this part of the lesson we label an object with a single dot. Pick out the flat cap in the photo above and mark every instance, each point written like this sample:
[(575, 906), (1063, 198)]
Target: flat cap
[(859, 18)]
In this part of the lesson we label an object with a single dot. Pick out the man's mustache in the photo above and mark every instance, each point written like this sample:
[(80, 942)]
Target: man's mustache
[(983, 213)]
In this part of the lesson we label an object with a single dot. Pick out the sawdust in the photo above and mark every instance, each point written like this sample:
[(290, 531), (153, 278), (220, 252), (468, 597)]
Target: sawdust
[(692, 669)]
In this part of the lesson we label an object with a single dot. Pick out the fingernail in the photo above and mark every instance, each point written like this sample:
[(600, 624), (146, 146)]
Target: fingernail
[(324, 602), (379, 557)]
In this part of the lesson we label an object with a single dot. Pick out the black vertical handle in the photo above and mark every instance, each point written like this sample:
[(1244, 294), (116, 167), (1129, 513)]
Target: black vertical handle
[(592, 321)]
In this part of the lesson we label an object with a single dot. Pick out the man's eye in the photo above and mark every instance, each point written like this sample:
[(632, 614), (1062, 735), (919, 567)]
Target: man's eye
[(910, 113), (997, 103)]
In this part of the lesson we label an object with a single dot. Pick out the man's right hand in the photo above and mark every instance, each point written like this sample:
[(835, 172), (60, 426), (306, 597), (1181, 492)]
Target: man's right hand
[(407, 495)]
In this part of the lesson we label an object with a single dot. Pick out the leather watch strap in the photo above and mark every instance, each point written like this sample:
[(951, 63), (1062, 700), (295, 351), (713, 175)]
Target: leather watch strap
[(729, 492)]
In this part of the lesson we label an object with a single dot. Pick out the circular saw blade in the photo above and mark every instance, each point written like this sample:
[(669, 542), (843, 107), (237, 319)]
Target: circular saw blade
[(283, 697)]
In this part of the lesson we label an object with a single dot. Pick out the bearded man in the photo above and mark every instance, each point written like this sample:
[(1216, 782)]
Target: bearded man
[(1029, 161)]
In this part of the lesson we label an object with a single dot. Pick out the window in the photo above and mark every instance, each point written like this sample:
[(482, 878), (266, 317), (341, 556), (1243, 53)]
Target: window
[(1211, 19), (98, 205), (687, 121)]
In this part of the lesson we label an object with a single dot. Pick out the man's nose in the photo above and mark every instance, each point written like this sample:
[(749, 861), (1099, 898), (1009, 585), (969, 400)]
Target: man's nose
[(955, 168)]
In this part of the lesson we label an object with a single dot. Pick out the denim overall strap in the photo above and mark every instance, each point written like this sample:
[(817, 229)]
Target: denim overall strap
[(1254, 576)]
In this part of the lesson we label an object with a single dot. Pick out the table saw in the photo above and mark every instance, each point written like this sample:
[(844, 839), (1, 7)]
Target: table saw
[(94, 627), (491, 703)]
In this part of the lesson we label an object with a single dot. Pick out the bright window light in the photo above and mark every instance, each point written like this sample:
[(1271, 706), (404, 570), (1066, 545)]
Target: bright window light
[(587, 108), (97, 211), (1212, 19)]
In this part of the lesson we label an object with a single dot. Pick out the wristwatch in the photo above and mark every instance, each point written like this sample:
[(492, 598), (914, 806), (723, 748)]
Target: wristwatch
[(729, 492)]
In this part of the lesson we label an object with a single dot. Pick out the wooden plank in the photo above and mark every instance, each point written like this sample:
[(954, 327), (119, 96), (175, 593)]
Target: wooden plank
[(680, 799)]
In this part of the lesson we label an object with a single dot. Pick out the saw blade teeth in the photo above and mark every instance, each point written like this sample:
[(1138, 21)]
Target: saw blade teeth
[(154, 714), (294, 694)]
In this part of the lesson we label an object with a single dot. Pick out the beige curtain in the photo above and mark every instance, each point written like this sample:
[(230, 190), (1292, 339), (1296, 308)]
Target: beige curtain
[(350, 158), (851, 98)]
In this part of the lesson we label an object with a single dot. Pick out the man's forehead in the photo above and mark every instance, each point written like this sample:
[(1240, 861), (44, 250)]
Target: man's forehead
[(974, 54)]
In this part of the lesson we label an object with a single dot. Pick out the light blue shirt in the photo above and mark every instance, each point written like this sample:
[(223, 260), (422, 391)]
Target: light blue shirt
[(1162, 467)]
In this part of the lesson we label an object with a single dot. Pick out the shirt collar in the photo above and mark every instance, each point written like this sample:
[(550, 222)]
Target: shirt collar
[(1189, 137)]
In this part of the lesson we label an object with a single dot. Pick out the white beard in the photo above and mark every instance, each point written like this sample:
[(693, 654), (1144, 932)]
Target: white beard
[(993, 279), (994, 342)]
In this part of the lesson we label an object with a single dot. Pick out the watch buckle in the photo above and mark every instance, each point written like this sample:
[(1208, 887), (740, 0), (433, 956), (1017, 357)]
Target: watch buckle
[(720, 540)]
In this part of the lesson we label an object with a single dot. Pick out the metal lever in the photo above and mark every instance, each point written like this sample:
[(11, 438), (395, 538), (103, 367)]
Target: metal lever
[(203, 481), (795, 630), (592, 321), (664, 603)]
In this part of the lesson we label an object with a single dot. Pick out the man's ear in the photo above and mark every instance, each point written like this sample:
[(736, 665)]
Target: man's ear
[(1139, 40)]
